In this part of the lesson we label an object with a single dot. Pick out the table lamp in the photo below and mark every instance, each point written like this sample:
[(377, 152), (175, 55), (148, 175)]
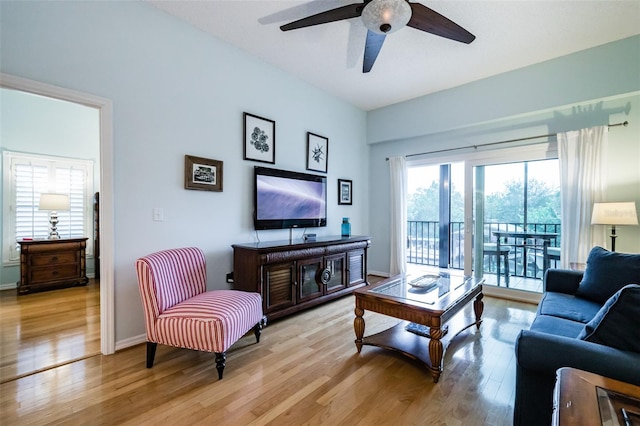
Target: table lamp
[(54, 203), (614, 214)]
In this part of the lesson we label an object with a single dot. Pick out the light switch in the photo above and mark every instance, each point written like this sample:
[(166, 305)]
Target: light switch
[(158, 214)]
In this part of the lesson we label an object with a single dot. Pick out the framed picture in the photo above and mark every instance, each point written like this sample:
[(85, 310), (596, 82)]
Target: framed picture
[(345, 187), (202, 174), (259, 139), (317, 152)]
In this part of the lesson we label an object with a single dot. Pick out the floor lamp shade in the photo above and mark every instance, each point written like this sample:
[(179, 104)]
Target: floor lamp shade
[(54, 203), (614, 214)]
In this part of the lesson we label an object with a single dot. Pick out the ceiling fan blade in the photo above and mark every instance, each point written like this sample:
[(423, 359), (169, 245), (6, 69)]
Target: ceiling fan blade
[(371, 49), (425, 19), (345, 12)]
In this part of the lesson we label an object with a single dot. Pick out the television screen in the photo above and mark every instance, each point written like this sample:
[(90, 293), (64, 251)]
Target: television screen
[(285, 199)]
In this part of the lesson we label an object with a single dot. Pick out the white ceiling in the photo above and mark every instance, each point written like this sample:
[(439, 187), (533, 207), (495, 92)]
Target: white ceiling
[(509, 35)]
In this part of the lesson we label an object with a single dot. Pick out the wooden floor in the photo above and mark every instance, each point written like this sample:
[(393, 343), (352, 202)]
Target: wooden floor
[(305, 370), (50, 328)]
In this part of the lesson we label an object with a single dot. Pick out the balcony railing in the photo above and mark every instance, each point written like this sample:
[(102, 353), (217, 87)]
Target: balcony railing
[(423, 246)]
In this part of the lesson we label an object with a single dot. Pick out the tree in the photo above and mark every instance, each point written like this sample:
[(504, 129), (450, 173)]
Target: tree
[(543, 203), (423, 205), (507, 206)]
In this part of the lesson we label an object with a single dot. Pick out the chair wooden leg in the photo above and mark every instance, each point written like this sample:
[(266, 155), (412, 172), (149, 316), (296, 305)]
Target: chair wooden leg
[(257, 329), (151, 353), (221, 357)]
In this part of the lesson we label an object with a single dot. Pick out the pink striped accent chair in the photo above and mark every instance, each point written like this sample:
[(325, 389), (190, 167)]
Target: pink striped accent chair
[(180, 312)]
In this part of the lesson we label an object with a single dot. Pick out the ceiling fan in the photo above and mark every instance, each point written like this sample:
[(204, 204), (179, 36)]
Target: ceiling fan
[(382, 17)]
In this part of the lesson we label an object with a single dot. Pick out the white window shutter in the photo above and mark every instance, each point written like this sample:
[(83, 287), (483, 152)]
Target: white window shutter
[(32, 175)]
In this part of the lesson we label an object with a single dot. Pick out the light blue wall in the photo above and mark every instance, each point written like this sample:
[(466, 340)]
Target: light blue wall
[(40, 125), (177, 91), (608, 70), (589, 88)]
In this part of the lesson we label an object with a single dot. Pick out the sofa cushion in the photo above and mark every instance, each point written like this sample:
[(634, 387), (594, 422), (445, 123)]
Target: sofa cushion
[(615, 325), (607, 272), (557, 326), (568, 306)]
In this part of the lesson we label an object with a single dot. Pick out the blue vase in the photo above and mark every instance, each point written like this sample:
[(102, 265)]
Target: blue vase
[(346, 227)]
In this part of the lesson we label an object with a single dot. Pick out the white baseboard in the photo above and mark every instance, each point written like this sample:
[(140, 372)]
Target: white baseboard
[(379, 274), (512, 294), (10, 286), (131, 341)]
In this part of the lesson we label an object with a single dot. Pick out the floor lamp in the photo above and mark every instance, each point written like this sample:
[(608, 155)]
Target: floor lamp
[(614, 214), (54, 203)]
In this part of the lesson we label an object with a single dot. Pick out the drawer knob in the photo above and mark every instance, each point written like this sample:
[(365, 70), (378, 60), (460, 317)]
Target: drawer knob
[(325, 276), (54, 258)]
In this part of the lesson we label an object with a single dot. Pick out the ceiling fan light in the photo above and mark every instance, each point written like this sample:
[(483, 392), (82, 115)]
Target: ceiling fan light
[(386, 16)]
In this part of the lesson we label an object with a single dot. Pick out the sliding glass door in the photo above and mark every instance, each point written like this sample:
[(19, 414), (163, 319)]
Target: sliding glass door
[(435, 215), (457, 210), (516, 213)]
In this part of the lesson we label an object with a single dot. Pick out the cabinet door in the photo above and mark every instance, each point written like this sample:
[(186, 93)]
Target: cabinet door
[(309, 285), (279, 283), (357, 267), (334, 273)]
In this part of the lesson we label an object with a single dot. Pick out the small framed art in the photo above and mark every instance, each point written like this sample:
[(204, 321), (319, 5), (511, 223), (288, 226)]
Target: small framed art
[(202, 174), (317, 152), (259, 139), (345, 187)]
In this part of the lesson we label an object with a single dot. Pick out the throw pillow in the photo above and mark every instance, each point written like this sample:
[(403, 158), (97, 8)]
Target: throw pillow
[(607, 272), (615, 325)]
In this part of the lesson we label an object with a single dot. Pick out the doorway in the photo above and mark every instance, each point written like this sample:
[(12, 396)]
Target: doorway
[(105, 108)]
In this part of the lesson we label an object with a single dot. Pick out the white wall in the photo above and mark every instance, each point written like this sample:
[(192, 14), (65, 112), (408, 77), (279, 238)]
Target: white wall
[(589, 88), (40, 125), (177, 91)]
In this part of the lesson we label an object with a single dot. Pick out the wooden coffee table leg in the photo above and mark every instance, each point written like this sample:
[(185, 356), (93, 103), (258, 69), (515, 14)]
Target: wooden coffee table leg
[(358, 326), (478, 308), (435, 352)]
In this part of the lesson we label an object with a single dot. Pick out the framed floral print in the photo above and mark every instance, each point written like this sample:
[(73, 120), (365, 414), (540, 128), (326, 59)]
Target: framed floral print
[(259, 139)]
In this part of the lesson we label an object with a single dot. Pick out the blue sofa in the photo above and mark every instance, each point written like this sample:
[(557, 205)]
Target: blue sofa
[(588, 321)]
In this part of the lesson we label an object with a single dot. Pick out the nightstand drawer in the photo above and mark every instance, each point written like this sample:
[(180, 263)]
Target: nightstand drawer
[(63, 272), (52, 259)]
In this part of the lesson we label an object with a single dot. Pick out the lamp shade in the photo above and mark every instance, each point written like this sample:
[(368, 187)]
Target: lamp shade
[(614, 214), (56, 202), (386, 16)]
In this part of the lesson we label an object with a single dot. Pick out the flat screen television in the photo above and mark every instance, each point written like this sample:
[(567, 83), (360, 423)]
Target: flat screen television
[(285, 199)]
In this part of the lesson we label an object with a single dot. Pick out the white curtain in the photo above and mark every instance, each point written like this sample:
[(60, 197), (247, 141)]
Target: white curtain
[(398, 234), (581, 157)]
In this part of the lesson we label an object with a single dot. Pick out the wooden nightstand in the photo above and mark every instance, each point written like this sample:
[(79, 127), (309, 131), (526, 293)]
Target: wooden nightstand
[(47, 264)]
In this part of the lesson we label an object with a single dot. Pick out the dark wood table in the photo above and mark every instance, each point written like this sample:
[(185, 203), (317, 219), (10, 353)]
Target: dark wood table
[(430, 306), (582, 398)]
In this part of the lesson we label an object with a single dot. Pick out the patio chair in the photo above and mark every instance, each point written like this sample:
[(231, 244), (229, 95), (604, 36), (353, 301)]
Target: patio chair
[(180, 312), (491, 250)]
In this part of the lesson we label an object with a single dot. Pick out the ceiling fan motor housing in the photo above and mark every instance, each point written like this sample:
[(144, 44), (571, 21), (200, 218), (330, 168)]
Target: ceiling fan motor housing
[(386, 16)]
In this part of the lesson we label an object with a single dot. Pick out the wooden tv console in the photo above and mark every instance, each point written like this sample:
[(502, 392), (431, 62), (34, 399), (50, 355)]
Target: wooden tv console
[(292, 276)]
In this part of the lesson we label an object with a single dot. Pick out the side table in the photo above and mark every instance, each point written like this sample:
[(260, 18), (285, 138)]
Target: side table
[(582, 398)]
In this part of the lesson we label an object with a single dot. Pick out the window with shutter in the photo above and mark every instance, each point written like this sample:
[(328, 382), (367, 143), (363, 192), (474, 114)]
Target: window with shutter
[(26, 177)]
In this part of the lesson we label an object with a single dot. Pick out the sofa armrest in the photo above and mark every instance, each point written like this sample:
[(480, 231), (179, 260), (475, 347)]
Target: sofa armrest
[(540, 355), (562, 280), (545, 353)]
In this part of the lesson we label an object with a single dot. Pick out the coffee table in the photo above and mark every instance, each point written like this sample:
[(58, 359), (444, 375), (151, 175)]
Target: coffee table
[(425, 305)]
